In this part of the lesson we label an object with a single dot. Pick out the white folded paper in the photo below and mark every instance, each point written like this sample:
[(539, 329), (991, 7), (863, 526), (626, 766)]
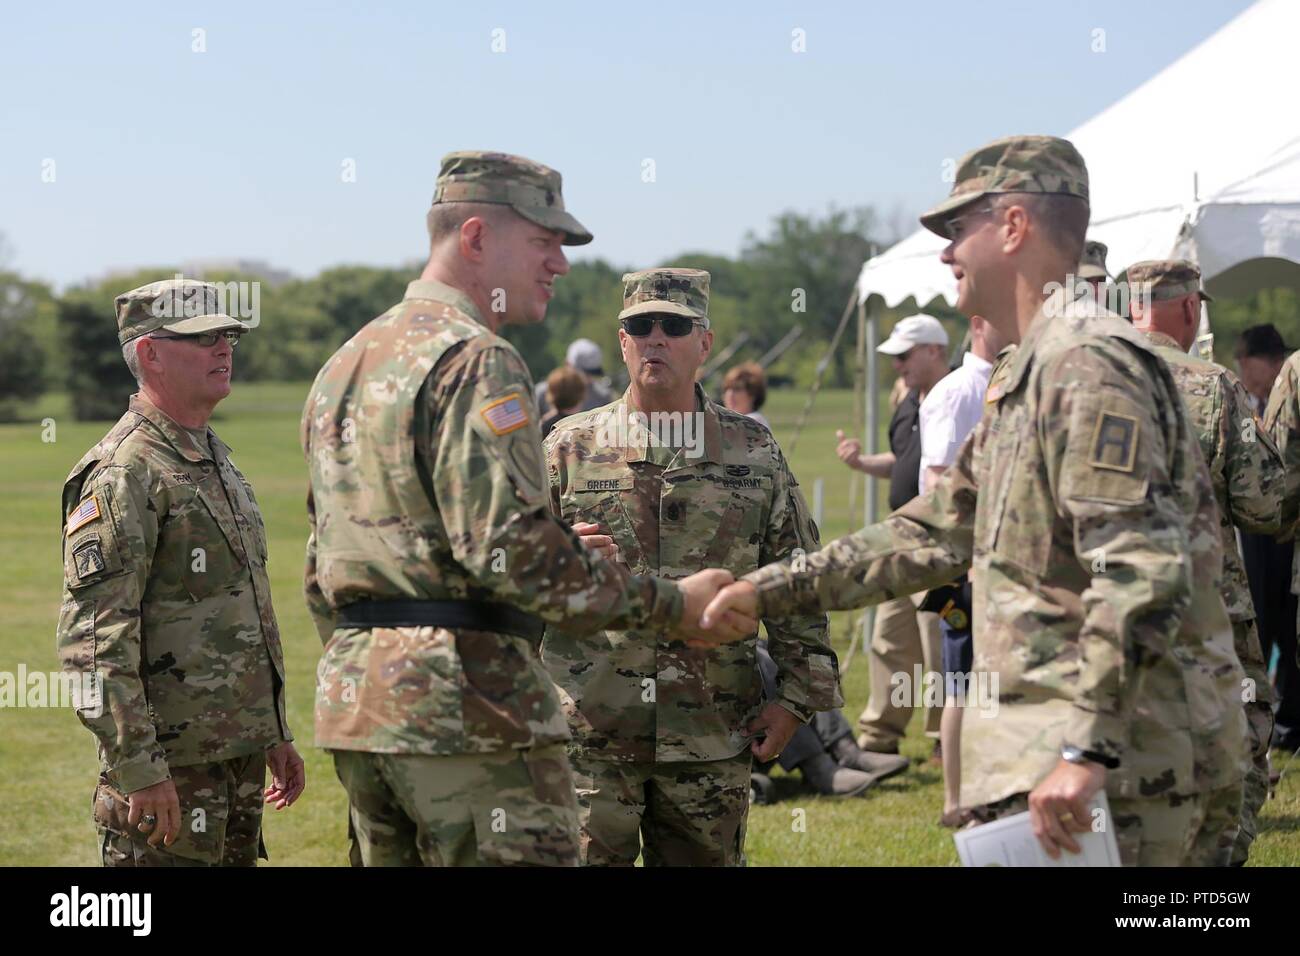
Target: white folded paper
[(1011, 842)]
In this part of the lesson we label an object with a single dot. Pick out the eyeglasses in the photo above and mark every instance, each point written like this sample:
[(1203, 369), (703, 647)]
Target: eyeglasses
[(674, 326), (205, 339), (955, 223)]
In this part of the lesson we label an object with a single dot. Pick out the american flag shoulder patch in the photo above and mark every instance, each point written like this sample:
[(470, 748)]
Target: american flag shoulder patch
[(85, 513), (506, 414)]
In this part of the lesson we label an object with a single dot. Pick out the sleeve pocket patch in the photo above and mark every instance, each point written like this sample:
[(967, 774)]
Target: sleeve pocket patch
[(1114, 442), (91, 558), (88, 558)]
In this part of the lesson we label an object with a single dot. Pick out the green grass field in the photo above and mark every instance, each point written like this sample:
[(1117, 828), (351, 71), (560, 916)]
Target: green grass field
[(47, 760)]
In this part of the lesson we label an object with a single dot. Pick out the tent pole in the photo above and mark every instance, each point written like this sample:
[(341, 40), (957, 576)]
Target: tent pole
[(868, 321), (859, 390)]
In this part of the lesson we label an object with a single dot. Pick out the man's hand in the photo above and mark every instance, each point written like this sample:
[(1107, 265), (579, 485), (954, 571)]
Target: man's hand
[(156, 811), (592, 539), (1058, 806), (739, 598), (779, 725), (849, 450), (698, 590), (288, 775)]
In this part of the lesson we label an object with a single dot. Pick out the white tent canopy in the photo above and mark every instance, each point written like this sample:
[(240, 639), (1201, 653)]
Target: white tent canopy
[(1200, 162)]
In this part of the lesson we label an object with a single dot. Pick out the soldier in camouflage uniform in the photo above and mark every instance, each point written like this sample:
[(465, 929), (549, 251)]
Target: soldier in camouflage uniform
[(433, 558), (1092, 269), (676, 483), (1084, 510), (1282, 422), (166, 617), (1092, 266), (1246, 472)]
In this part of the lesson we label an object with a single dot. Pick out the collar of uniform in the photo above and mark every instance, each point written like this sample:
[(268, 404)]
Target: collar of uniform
[(1059, 303), (435, 291), (1159, 339), (712, 427), (177, 436)]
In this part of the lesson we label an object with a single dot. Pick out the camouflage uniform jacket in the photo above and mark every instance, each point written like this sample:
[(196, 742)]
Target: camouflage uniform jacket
[(1282, 422), (1083, 507), (166, 601), (1245, 466), (427, 483), (640, 695)]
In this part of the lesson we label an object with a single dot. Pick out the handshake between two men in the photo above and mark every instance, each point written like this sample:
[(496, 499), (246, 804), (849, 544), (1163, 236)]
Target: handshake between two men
[(718, 608)]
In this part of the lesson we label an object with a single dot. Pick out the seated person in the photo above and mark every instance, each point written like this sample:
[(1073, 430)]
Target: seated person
[(823, 750)]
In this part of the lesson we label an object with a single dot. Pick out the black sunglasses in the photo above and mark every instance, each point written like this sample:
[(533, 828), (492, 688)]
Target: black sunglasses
[(674, 326)]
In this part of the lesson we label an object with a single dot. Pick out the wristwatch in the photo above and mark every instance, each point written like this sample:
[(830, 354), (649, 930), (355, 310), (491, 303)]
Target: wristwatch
[(1072, 754)]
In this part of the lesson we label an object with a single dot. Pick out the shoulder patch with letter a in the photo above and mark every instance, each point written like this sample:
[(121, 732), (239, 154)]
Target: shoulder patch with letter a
[(1114, 442), (85, 513), (506, 414)]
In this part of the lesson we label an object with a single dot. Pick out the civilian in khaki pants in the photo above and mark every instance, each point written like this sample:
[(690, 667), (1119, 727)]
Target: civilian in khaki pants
[(902, 639)]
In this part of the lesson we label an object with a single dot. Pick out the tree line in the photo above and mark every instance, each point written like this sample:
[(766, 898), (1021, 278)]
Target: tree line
[(799, 272)]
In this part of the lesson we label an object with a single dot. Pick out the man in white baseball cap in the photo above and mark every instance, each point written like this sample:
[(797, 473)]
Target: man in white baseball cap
[(903, 637), (917, 329)]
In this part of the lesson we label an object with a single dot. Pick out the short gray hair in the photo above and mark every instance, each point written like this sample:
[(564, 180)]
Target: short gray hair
[(132, 360)]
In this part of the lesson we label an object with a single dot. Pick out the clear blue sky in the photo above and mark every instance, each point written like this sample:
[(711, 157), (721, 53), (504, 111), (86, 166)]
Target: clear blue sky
[(163, 154)]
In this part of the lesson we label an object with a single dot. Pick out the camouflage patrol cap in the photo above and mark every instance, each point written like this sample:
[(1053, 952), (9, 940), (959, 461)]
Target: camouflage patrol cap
[(1014, 164), (529, 188), (1166, 278), (1093, 263), (674, 291), (180, 306)]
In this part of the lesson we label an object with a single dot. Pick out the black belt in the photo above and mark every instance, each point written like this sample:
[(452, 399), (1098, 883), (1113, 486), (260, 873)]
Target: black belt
[(460, 614)]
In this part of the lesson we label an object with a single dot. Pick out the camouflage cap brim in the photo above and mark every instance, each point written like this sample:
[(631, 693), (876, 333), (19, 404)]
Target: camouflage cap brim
[(1164, 279), (1163, 293), (198, 324), (661, 306), (575, 233), (936, 220), (1046, 165)]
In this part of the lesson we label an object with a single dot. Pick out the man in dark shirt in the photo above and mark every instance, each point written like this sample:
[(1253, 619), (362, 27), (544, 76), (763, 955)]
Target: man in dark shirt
[(1262, 359), (903, 642)]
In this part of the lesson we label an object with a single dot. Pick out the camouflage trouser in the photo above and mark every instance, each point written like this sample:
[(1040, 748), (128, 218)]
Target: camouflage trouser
[(1217, 835), (221, 818), (510, 807), (1196, 830), (687, 814), (1259, 719)]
